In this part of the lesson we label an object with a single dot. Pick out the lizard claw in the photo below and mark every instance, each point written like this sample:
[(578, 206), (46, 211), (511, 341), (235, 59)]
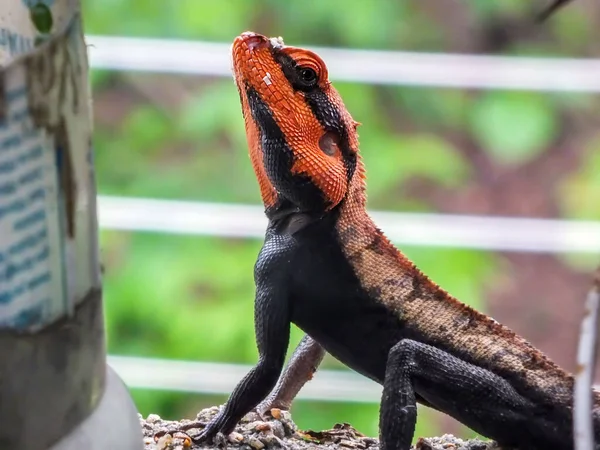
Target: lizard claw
[(209, 434), (181, 429), (262, 410)]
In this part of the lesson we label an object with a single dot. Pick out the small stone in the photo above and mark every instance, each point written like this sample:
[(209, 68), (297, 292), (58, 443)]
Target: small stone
[(255, 443), (277, 429), (369, 441), (184, 437), (271, 441), (208, 412), (235, 437), (289, 426), (263, 426), (164, 442), (423, 444), (276, 413), (285, 415), (347, 443), (252, 416), (258, 425), (153, 418)]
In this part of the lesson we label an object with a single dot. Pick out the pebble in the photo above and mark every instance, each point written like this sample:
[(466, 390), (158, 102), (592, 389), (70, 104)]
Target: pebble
[(235, 437), (278, 429), (254, 433), (153, 418), (255, 443)]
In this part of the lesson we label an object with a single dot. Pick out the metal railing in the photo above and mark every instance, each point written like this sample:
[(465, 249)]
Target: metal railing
[(439, 230), (221, 378), (363, 66)]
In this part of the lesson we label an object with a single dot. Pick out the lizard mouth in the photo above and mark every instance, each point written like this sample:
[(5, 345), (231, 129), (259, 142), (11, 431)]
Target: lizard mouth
[(256, 41), (252, 41)]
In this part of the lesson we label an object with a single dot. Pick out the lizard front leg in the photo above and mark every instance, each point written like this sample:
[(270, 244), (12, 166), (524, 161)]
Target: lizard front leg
[(302, 365), (477, 397), (272, 329)]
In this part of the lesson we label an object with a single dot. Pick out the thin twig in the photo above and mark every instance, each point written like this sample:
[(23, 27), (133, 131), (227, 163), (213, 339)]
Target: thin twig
[(551, 10), (584, 375)]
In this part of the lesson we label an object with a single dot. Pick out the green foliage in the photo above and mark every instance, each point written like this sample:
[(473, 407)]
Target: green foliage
[(396, 159), (197, 291), (580, 192), (191, 297), (572, 28), (432, 107), (41, 16), (513, 127)]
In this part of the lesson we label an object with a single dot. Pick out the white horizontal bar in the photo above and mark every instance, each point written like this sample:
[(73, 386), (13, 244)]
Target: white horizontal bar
[(438, 230), (366, 66), (220, 378), (217, 378)]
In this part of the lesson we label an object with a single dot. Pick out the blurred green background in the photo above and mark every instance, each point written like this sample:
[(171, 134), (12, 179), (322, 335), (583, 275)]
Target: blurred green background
[(443, 150)]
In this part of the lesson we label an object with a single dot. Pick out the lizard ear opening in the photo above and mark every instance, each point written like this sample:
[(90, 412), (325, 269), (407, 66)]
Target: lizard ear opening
[(329, 144)]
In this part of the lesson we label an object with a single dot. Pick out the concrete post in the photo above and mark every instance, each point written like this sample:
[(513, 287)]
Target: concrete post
[(56, 391)]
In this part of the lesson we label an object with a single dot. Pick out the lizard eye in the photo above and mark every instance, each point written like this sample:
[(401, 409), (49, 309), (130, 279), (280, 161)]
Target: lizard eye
[(308, 76)]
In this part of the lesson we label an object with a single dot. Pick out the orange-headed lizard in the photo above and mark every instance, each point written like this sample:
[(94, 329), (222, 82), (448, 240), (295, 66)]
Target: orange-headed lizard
[(327, 268)]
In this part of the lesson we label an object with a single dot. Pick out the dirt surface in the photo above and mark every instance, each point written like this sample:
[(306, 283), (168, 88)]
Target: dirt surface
[(279, 431)]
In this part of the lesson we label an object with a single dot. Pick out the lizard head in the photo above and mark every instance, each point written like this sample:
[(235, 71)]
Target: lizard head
[(301, 139)]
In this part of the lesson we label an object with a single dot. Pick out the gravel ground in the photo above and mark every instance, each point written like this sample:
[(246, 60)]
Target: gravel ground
[(279, 431)]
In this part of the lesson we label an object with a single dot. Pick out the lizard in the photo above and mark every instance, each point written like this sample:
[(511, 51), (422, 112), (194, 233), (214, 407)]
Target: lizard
[(326, 267), (309, 354)]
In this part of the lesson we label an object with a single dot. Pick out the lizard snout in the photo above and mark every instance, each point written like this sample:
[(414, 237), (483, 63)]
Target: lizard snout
[(254, 40)]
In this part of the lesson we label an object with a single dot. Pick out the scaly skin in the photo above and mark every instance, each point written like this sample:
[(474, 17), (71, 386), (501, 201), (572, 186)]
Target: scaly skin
[(326, 267)]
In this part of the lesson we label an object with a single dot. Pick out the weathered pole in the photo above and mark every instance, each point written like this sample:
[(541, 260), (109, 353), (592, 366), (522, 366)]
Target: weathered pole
[(56, 390)]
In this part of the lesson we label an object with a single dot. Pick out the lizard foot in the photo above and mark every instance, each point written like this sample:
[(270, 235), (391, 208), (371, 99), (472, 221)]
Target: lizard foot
[(210, 433)]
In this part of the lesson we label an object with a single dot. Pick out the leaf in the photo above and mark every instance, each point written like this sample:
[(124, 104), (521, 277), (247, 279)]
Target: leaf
[(514, 128), (396, 159), (573, 29), (41, 16), (432, 107), (213, 111), (487, 10), (147, 127)]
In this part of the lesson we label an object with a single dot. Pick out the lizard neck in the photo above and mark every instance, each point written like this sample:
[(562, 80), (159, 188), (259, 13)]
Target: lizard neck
[(357, 232), (390, 278)]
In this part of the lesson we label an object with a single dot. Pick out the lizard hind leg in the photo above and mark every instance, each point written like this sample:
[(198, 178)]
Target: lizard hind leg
[(302, 365), (477, 397)]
